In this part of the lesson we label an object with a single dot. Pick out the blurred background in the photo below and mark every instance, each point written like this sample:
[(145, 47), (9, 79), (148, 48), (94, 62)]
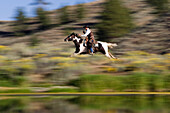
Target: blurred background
[(35, 58)]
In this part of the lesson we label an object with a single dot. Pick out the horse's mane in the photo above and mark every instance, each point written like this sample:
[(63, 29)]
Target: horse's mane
[(78, 36)]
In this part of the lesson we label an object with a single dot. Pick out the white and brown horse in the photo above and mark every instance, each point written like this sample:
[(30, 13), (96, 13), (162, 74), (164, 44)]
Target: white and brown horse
[(80, 49)]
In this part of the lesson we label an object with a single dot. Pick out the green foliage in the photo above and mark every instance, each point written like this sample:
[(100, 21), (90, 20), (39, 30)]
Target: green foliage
[(12, 81), (53, 64), (161, 5), (12, 72), (43, 18), (134, 82), (64, 15), (34, 41), (166, 83), (80, 12), (116, 21), (11, 77), (16, 91), (19, 25), (18, 80)]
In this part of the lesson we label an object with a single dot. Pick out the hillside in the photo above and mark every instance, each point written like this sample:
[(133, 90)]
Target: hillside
[(54, 35), (151, 33)]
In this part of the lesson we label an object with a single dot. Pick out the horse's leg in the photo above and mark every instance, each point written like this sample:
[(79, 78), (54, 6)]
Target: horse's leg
[(81, 49), (107, 55), (112, 56), (74, 54), (105, 50)]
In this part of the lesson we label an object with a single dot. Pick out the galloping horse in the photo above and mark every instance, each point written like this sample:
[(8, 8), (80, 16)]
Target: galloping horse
[(80, 49)]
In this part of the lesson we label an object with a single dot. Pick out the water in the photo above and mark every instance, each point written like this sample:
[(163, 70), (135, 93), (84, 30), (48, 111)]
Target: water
[(86, 104)]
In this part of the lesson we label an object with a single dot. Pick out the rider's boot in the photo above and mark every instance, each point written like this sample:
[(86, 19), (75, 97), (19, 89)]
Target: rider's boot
[(91, 49)]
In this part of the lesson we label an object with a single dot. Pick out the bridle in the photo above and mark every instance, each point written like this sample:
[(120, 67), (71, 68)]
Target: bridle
[(73, 38)]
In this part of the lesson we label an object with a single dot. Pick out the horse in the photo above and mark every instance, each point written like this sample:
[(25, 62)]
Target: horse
[(103, 47)]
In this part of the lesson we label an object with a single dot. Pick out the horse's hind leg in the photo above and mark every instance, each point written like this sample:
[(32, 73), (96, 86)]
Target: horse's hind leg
[(112, 56), (107, 55)]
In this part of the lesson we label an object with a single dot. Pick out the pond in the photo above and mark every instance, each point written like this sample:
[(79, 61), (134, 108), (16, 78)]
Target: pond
[(86, 104)]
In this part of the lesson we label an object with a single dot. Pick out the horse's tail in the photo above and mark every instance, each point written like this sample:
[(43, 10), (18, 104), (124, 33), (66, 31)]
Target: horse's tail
[(111, 45)]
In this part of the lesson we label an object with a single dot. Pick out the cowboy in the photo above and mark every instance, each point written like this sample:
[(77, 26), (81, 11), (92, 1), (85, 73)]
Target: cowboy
[(90, 41)]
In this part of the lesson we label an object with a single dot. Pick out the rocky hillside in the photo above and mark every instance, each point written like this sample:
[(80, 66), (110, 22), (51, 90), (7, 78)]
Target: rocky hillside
[(151, 33)]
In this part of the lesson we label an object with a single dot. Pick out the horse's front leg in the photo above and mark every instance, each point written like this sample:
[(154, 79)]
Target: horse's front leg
[(81, 50)]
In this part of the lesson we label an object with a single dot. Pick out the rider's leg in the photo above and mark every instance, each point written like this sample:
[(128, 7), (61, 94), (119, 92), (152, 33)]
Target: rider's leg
[(95, 42), (84, 43), (91, 49)]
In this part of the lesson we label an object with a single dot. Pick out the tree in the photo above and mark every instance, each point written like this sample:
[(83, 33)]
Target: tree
[(19, 25), (115, 21), (161, 5), (64, 15), (34, 41), (43, 18), (80, 12), (40, 2)]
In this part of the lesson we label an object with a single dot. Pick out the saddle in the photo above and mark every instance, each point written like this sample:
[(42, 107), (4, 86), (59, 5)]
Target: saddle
[(95, 47)]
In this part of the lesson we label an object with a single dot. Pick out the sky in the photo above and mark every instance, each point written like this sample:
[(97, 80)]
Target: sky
[(8, 7)]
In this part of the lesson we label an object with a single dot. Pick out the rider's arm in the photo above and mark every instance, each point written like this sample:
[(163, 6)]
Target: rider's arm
[(87, 33)]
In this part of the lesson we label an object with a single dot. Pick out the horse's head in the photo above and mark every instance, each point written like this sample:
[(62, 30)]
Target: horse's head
[(73, 37), (70, 37)]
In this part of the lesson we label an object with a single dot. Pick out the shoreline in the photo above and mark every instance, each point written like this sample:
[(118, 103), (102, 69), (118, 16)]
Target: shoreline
[(86, 94)]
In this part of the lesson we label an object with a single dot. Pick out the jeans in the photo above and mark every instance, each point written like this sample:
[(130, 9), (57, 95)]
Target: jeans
[(91, 49)]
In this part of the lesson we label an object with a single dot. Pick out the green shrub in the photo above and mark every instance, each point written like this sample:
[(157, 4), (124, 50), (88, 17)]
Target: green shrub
[(34, 41), (6, 83), (18, 80), (16, 91), (166, 82), (13, 81), (13, 72), (134, 82)]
